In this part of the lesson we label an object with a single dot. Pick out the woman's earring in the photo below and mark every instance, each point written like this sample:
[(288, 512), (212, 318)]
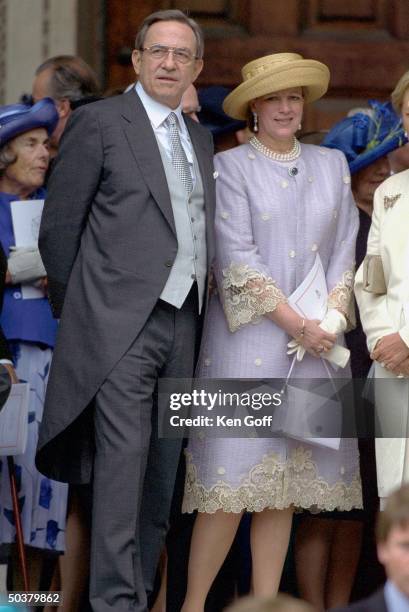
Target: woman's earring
[(405, 134), (255, 124), (299, 126)]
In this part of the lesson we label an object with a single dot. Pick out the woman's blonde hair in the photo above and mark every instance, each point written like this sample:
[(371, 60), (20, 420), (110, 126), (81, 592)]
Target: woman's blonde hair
[(399, 91)]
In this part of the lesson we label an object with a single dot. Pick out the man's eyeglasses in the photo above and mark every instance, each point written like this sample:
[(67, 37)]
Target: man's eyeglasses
[(180, 55)]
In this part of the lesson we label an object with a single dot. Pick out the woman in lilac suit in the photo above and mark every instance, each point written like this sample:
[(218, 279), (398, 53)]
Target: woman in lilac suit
[(279, 205)]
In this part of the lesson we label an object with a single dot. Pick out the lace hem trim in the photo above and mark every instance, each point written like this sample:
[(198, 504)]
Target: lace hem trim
[(273, 484), (340, 297), (248, 295)]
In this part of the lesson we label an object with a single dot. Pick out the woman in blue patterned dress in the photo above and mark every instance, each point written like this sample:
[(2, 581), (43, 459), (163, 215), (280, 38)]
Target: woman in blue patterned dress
[(28, 323)]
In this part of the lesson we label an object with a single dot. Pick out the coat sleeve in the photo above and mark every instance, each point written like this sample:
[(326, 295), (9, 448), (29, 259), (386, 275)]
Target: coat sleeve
[(341, 267), (71, 190), (246, 288), (373, 310)]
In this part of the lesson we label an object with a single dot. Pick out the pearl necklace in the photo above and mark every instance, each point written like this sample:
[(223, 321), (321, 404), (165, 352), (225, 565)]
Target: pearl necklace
[(291, 155)]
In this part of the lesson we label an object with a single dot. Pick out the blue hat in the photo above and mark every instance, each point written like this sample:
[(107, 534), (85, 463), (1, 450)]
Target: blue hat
[(364, 138), (16, 119), (212, 114)]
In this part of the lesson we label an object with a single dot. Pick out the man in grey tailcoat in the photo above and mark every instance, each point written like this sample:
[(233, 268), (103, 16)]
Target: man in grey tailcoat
[(126, 239)]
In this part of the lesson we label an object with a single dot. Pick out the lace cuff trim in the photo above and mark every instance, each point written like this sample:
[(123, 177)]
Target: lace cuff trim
[(273, 484), (248, 295), (341, 298)]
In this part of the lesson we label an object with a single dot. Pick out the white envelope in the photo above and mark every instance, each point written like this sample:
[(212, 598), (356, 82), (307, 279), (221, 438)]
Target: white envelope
[(311, 296), (14, 421), (26, 217), (310, 300)]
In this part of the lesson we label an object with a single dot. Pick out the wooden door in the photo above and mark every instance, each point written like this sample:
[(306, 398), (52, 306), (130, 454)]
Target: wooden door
[(365, 43)]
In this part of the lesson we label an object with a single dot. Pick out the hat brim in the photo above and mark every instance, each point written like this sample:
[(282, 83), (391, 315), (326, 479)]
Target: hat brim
[(42, 115), (369, 157), (311, 75)]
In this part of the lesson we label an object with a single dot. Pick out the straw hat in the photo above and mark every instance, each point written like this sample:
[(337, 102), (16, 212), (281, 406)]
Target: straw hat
[(274, 73)]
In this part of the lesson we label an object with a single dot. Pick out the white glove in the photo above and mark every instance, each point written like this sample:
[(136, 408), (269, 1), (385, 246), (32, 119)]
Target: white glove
[(25, 265), (334, 322), (295, 347)]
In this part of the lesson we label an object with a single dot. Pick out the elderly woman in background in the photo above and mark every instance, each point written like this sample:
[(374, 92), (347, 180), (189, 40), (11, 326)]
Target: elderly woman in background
[(382, 293), (28, 323), (279, 204)]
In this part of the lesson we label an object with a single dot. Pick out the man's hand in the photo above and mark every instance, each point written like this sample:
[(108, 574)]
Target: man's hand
[(390, 352)]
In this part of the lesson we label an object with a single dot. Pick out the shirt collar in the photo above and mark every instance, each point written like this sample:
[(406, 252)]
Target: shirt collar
[(395, 599), (156, 111)]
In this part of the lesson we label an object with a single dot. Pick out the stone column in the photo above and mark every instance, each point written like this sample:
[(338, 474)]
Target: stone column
[(30, 32)]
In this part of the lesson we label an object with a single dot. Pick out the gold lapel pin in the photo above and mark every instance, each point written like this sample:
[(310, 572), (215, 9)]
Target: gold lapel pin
[(389, 201)]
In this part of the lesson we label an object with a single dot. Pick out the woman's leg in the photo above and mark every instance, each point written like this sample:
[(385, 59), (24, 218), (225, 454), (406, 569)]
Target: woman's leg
[(74, 563), (343, 561), (312, 551), (160, 601), (212, 537), (270, 534)]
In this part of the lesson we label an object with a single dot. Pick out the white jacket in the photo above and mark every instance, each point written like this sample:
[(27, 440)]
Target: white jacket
[(384, 313)]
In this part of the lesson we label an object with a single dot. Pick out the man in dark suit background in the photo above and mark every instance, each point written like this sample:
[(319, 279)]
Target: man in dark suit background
[(126, 238), (392, 535)]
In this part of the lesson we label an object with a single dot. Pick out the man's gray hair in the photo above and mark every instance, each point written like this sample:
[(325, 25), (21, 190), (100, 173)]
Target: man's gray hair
[(171, 15), (71, 78)]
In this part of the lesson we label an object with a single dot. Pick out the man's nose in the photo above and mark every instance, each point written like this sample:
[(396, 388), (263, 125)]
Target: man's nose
[(169, 61)]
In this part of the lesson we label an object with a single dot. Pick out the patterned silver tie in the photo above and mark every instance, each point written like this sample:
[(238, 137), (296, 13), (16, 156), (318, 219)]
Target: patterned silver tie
[(179, 159)]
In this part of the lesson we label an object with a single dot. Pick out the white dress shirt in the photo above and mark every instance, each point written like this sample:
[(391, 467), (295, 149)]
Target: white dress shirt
[(396, 601), (158, 113)]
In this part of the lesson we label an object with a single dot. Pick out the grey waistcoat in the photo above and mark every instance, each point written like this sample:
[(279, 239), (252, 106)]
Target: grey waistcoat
[(188, 212)]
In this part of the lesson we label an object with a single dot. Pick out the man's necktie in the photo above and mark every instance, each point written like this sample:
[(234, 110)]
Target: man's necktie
[(179, 159)]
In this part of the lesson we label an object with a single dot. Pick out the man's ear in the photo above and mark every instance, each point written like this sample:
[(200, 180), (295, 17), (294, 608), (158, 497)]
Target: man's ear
[(197, 69), (136, 60), (63, 108)]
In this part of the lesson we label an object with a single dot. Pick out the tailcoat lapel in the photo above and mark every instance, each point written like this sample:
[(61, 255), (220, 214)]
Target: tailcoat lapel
[(144, 147)]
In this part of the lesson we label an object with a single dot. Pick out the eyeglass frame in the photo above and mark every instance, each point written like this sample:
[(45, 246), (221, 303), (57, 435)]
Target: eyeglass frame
[(173, 50)]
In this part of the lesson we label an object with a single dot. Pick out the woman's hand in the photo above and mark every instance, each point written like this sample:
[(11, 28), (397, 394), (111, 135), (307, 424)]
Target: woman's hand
[(315, 340), (390, 352)]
